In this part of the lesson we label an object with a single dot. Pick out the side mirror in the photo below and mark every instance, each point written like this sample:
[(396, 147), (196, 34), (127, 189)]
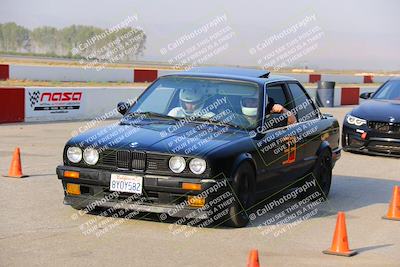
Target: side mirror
[(123, 107), (327, 115), (366, 95), (276, 120)]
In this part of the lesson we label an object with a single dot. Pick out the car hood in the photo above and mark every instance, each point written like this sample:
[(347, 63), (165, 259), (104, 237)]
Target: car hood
[(378, 110), (161, 137)]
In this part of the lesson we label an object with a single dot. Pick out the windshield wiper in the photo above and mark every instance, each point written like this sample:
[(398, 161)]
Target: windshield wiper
[(210, 120), (229, 124), (152, 114)]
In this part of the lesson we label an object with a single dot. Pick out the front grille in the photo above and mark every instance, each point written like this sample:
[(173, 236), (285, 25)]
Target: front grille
[(158, 164), (151, 163), (123, 159), (134, 160), (138, 160), (108, 158), (384, 127), (384, 146)]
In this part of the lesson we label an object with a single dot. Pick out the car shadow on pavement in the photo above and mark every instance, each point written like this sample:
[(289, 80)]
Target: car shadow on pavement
[(364, 249), (347, 193)]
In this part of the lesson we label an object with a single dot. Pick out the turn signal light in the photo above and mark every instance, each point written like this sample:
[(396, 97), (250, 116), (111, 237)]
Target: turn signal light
[(364, 136), (73, 189), (71, 174), (191, 186), (195, 201)]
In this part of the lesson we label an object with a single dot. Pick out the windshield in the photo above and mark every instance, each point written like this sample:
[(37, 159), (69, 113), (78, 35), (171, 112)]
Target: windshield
[(233, 103), (389, 91)]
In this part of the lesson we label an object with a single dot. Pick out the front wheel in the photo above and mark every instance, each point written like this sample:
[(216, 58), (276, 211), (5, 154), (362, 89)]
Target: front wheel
[(323, 172), (77, 207), (243, 189)]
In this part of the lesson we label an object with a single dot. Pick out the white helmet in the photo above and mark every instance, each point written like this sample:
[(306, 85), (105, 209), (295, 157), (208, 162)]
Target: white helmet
[(192, 99), (249, 105)]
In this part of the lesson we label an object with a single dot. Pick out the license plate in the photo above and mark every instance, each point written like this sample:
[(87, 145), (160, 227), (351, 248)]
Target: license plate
[(126, 183)]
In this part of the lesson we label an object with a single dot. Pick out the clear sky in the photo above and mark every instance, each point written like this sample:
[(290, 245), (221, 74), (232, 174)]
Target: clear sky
[(356, 34)]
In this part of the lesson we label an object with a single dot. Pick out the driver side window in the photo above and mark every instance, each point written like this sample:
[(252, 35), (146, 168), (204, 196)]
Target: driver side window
[(276, 95)]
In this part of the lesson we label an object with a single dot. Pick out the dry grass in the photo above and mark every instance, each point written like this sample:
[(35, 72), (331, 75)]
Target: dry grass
[(154, 65), (27, 83), (72, 63)]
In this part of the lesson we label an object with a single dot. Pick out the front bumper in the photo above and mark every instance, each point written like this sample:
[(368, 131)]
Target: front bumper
[(161, 194), (373, 143)]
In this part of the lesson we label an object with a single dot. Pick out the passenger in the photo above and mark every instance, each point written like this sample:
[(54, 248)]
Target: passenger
[(250, 107)]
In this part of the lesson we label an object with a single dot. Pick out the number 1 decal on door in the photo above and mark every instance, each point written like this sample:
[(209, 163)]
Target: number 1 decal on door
[(290, 150)]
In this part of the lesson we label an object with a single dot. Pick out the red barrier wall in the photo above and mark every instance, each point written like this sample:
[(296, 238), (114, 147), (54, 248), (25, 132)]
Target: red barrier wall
[(141, 76), (368, 79), (4, 72), (12, 105), (313, 78), (350, 95)]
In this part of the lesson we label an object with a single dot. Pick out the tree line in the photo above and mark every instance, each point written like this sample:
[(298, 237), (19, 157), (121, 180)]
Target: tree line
[(50, 41)]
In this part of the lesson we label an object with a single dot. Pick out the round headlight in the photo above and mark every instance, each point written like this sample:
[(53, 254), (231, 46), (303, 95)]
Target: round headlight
[(197, 166), (177, 164), (74, 154), (91, 156)]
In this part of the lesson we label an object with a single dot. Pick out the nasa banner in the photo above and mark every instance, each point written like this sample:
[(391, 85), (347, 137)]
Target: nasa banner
[(53, 103), (84, 103)]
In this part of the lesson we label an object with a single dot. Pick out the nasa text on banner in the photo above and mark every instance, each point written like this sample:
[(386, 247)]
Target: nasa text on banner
[(53, 103)]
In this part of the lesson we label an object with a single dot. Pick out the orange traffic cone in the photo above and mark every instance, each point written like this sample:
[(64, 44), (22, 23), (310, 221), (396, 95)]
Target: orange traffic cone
[(253, 259), (15, 167), (394, 206), (340, 243)]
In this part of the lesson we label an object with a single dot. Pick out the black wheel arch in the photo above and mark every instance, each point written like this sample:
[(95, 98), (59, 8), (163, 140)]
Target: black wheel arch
[(241, 158), (324, 145)]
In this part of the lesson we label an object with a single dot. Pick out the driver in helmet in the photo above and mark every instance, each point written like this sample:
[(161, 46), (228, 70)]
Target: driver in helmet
[(191, 102), (250, 107)]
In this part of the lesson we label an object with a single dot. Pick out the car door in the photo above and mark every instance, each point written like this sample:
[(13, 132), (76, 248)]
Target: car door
[(308, 129), (275, 147)]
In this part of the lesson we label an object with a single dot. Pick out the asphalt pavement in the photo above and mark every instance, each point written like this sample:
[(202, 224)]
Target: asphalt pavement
[(36, 229)]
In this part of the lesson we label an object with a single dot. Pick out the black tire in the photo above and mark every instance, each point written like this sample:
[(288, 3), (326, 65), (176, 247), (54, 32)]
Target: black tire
[(77, 207), (244, 187), (323, 172)]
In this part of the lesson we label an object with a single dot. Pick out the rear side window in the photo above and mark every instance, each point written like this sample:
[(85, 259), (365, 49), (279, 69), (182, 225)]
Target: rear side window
[(304, 106)]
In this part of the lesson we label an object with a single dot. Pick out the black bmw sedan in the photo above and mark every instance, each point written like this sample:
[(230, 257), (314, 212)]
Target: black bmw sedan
[(205, 144), (374, 126)]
